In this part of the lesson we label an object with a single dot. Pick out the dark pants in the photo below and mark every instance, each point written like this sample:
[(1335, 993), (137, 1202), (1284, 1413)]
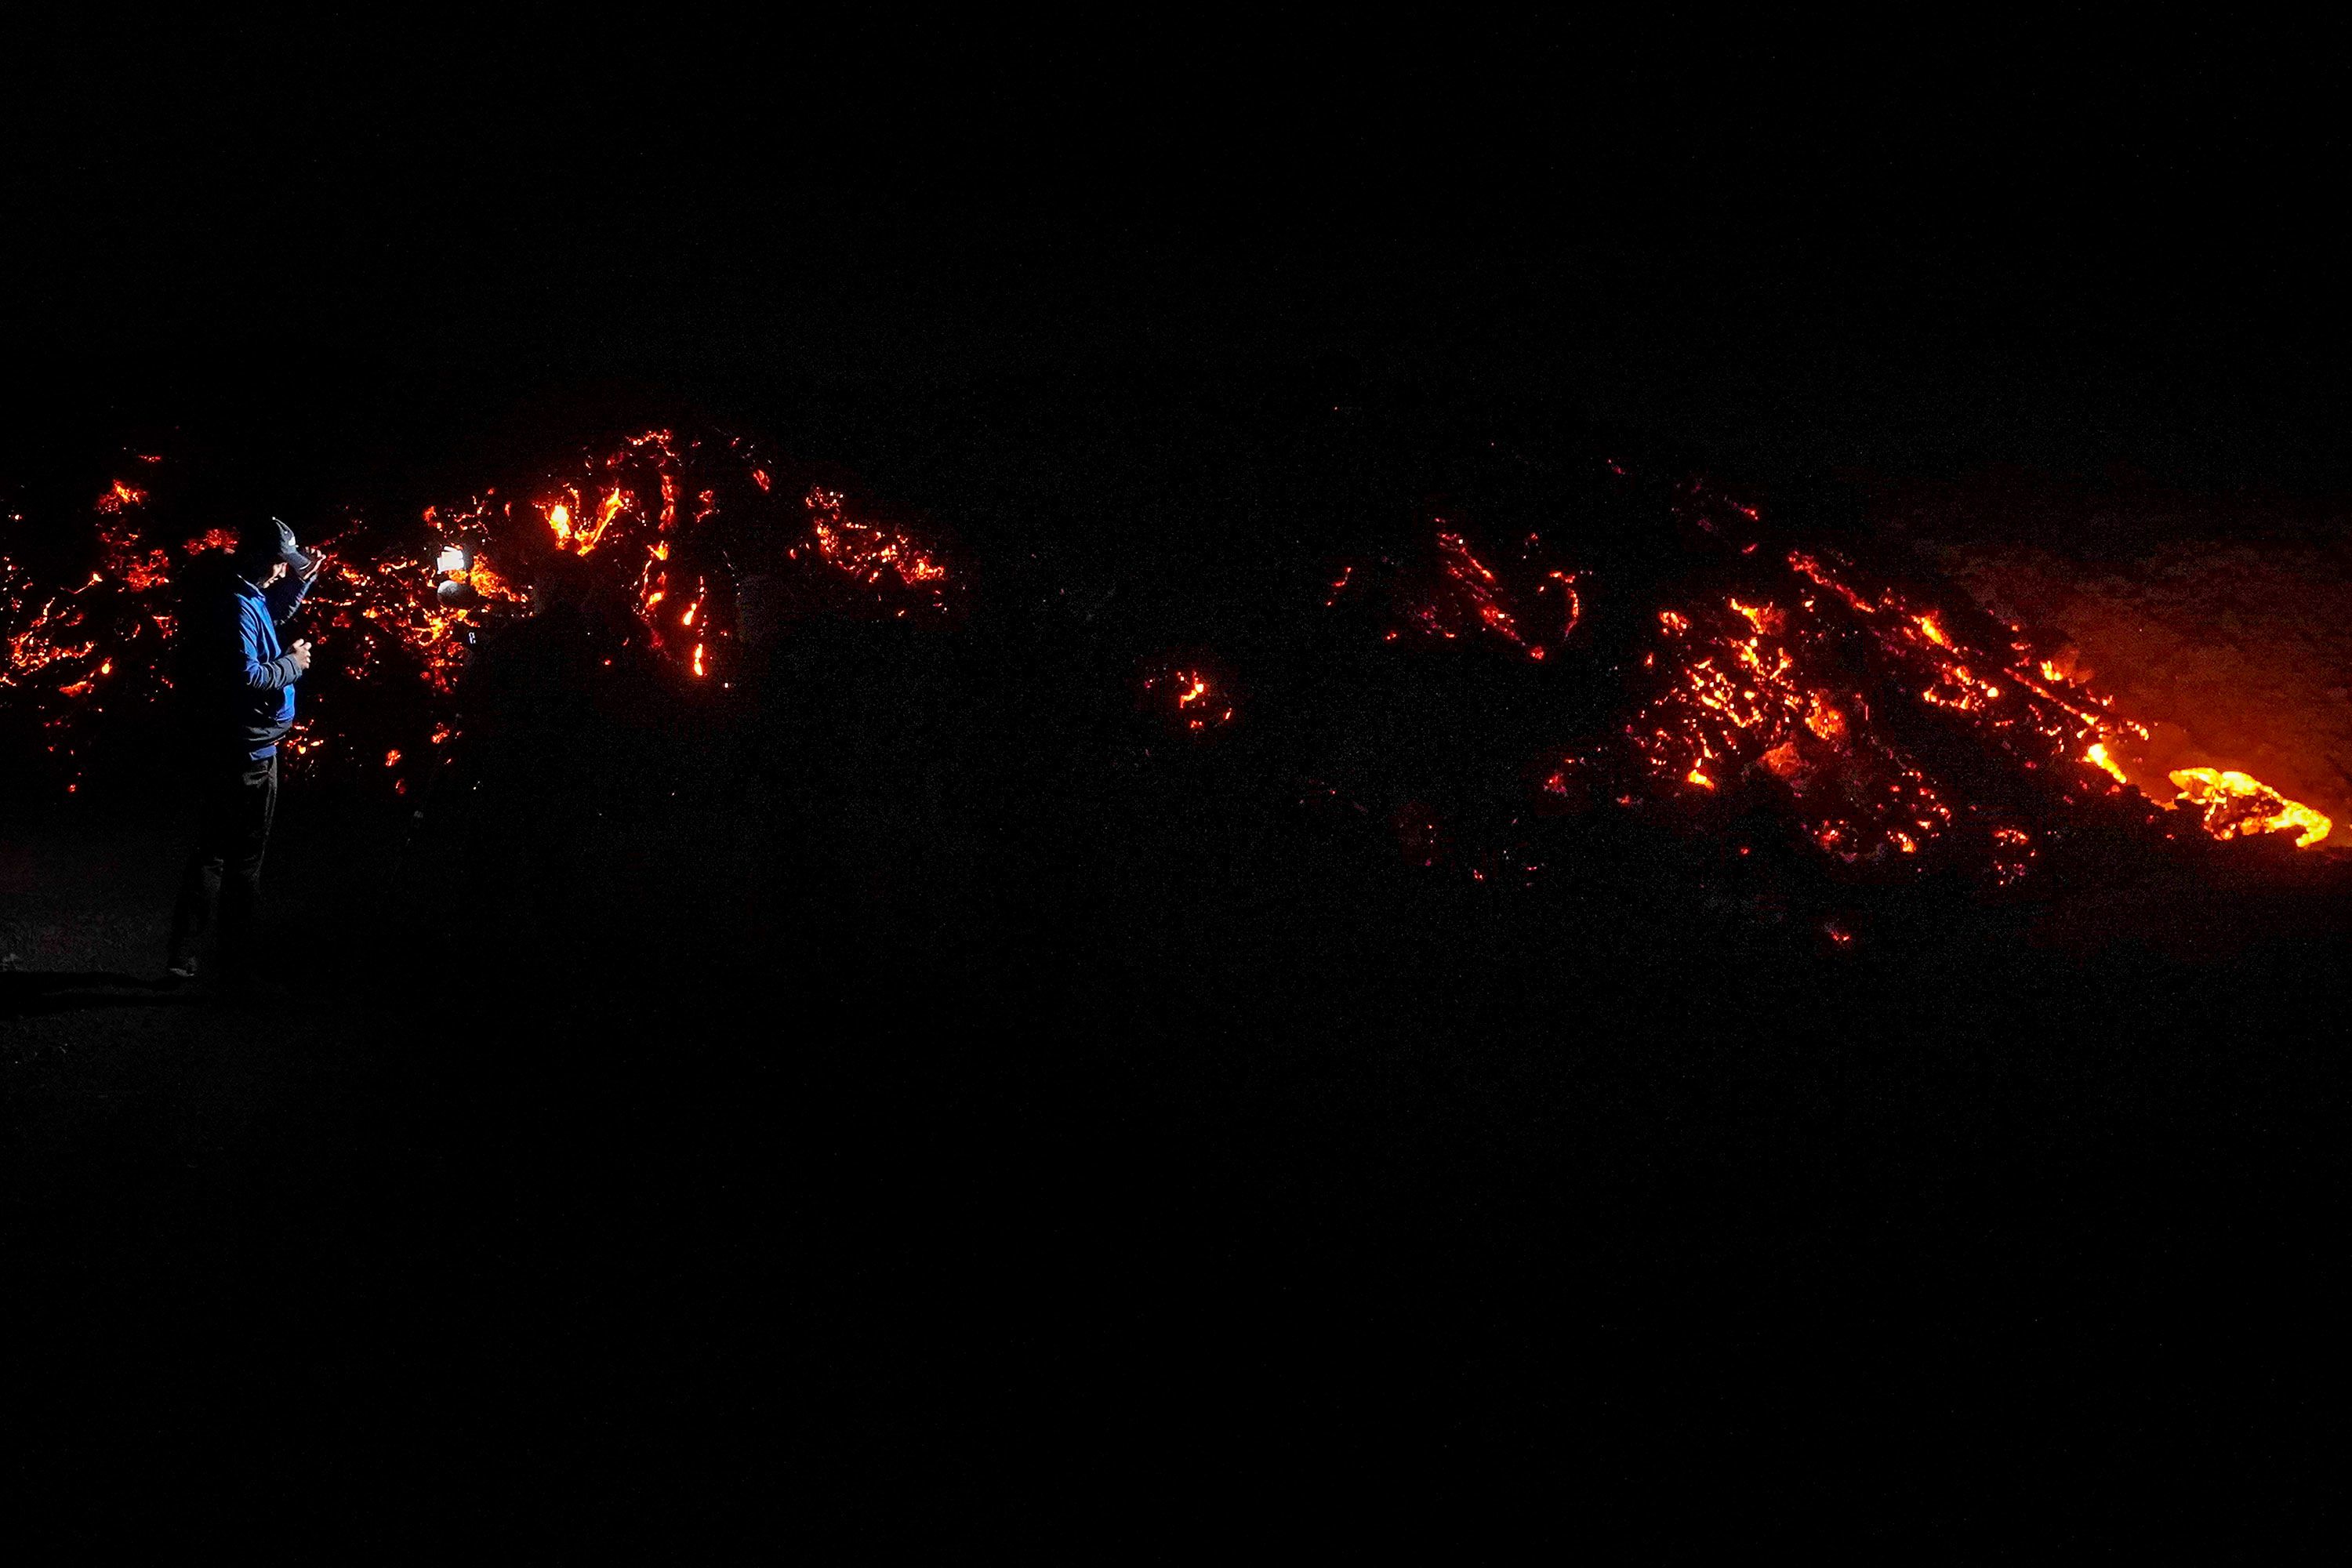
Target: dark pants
[(235, 800)]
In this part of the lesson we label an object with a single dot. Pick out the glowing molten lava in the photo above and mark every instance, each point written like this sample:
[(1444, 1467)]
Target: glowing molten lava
[(2237, 806), (1466, 597), (867, 550), (1895, 732), (118, 496), (658, 525), (1189, 696)]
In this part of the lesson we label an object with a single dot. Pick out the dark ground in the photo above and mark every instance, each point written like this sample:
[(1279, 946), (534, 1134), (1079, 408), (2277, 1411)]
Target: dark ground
[(938, 1116), (1311, 1192)]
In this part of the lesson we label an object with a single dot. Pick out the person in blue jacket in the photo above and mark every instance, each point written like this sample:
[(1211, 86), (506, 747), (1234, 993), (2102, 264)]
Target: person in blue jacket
[(238, 682)]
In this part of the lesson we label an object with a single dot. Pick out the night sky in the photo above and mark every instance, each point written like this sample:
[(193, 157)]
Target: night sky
[(1910, 252)]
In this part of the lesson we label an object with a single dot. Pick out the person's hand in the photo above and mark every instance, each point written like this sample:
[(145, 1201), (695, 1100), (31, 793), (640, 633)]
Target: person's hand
[(300, 653), (310, 574)]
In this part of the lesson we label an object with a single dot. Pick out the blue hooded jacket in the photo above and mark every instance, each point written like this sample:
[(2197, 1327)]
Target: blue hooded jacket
[(242, 675)]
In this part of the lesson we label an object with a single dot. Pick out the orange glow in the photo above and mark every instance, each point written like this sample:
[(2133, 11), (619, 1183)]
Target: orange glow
[(139, 569), (1573, 603), (1810, 567), (1192, 696), (1472, 597), (1743, 690), (865, 550), (395, 615), (614, 503), (1458, 552), (120, 496), (491, 585), (1761, 673), (1823, 719), (580, 533), (2236, 805)]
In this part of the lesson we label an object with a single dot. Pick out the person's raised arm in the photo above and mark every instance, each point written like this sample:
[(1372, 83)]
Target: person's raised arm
[(284, 595)]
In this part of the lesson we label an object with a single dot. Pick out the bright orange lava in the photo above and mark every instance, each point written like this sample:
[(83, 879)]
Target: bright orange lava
[(2236, 806)]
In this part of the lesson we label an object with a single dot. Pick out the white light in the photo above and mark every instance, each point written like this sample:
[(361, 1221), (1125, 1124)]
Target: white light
[(452, 559)]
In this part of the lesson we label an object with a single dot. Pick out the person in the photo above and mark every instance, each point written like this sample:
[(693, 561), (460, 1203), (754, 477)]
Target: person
[(238, 682)]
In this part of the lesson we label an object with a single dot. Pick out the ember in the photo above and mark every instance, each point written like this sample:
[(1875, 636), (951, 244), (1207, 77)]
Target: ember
[(867, 552), (1468, 598), (404, 608), (1889, 729), (1893, 733), (1189, 697)]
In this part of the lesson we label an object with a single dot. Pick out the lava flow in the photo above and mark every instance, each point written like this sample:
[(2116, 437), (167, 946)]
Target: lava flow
[(1189, 698), (1691, 661), (663, 531), (2236, 806), (1469, 598), (1887, 729)]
